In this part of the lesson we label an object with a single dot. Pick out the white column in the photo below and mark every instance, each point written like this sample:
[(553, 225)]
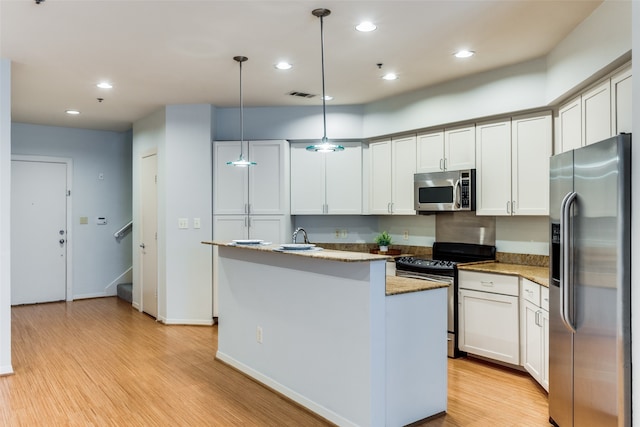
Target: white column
[(5, 211)]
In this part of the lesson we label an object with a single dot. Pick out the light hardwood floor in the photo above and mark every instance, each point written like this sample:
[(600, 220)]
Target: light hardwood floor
[(100, 362)]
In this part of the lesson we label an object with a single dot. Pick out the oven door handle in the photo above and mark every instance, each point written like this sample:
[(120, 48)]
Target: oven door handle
[(439, 279)]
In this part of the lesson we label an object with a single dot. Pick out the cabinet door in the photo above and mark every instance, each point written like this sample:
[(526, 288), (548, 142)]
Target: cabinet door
[(544, 321), (489, 326), (531, 141), (230, 182), (596, 113), (268, 193), (621, 102), (531, 337), (269, 228), (429, 152), (307, 181), (460, 148), (380, 177), (569, 126), (229, 227), (403, 168), (493, 162), (343, 180)]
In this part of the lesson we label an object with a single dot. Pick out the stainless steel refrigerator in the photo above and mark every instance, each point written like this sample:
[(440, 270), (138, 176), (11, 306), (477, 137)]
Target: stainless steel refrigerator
[(589, 288)]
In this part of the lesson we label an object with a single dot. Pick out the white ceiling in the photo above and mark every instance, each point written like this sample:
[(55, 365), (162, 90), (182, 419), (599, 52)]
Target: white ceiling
[(181, 51)]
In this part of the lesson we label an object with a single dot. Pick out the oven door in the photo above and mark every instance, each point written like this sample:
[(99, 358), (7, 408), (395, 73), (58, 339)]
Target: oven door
[(451, 304)]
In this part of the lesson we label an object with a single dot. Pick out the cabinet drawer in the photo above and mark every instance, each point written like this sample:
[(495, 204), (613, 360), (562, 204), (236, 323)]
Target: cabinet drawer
[(544, 298), (487, 282), (530, 291)]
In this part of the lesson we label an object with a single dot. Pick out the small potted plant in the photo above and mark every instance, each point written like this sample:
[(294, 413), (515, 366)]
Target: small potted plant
[(383, 240)]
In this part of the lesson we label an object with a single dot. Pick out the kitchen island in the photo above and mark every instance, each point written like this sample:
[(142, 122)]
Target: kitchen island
[(325, 329)]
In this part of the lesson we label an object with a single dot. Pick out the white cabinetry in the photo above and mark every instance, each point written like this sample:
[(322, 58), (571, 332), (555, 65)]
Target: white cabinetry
[(252, 202), (621, 102), (512, 158), (451, 149), (489, 316), (391, 169), (326, 183), (534, 334), (598, 113)]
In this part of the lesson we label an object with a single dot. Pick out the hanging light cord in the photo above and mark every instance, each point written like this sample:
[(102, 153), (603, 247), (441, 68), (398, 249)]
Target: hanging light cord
[(324, 98), (241, 59)]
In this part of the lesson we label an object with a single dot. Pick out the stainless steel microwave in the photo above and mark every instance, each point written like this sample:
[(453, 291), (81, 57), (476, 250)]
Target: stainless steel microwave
[(445, 191)]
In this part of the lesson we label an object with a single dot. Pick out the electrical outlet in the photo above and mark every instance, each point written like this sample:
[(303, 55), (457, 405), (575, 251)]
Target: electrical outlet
[(343, 234), (337, 233), (405, 235), (259, 334), (183, 223)]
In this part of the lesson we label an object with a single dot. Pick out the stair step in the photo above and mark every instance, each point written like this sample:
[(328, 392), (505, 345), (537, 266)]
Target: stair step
[(125, 291)]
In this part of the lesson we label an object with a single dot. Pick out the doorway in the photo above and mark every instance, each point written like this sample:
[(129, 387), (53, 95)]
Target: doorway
[(40, 224), (149, 237)]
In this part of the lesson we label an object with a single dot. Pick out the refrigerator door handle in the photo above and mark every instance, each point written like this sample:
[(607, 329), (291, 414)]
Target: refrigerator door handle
[(566, 283)]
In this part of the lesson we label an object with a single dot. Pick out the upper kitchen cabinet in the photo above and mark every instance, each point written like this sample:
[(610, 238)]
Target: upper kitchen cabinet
[(326, 183), (391, 169), (602, 111), (512, 158), (596, 113), (261, 189), (448, 150), (621, 101)]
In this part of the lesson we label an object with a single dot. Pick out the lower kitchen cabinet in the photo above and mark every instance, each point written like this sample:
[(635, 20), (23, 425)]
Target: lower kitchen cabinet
[(489, 316), (534, 332)]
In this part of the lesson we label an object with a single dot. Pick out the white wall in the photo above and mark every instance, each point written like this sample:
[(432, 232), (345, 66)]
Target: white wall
[(5, 212), (502, 91), (343, 122), (187, 170), (99, 260), (600, 40), (181, 136)]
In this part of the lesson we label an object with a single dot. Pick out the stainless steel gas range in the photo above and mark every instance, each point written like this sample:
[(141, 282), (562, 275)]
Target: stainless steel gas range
[(443, 268)]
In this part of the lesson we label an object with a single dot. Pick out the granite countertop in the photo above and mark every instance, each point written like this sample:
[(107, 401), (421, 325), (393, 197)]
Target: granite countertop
[(316, 252), (539, 275), (403, 285)]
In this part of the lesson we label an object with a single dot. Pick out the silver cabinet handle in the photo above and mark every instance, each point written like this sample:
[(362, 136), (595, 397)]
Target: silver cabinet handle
[(513, 207), (441, 164), (445, 163), (487, 284), (508, 209), (566, 285)]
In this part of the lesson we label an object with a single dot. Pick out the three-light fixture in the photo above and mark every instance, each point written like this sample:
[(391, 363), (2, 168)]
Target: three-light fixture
[(324, 146), (241, 162)]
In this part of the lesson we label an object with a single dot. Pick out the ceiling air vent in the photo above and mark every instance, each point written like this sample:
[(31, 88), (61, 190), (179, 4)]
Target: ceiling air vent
[(301, 94)]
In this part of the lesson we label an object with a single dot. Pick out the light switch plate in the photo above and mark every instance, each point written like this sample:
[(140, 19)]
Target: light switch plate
[(183, 223), (196, 222)]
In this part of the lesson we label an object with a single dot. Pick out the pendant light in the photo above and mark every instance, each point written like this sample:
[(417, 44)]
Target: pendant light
[(325, 146), (241, 162)]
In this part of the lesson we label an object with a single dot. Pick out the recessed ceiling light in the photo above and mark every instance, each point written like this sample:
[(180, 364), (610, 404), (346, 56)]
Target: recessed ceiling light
[(328, 98), (105, 85), (366, 26), (390, 76), (464, 53), (283, 66), (72, 112)]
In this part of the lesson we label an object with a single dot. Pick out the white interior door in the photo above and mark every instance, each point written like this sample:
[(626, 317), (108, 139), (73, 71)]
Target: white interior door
[(149, 238), (38, 231)]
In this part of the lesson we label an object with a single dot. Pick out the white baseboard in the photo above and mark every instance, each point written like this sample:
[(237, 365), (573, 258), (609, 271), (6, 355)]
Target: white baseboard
[(194, 322), (6, 370)]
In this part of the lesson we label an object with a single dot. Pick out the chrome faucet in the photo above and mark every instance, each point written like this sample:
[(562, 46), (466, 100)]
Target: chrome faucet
[(304, 233)]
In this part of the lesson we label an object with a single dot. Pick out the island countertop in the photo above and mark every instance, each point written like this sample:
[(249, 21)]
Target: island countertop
[(539, 275), (326, 254)]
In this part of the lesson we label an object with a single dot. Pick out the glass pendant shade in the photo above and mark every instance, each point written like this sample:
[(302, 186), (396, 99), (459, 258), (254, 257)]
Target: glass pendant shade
[(241, 162), (324, 146)]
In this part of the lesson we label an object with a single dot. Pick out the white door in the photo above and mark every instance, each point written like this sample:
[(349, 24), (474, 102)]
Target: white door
[(430, 152), (149, 240), (38, 231)]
